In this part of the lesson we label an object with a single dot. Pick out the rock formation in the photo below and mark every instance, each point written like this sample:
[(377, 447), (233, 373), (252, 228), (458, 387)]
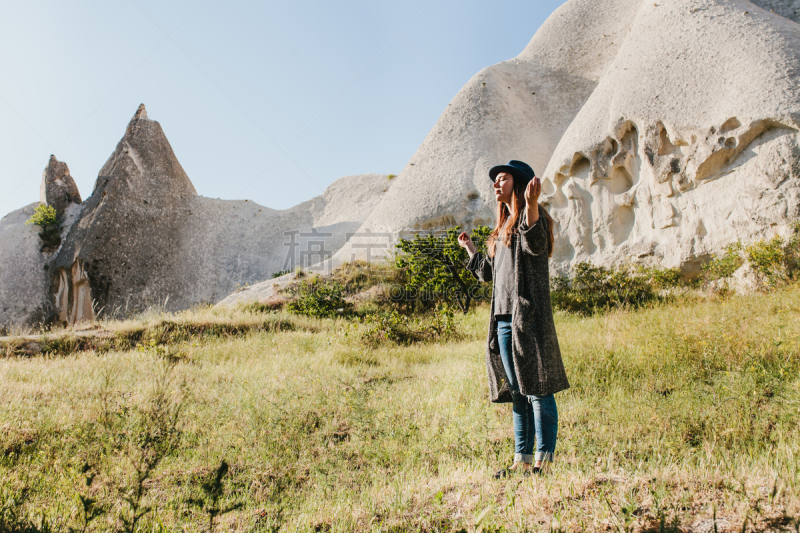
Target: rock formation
[(125, 247), (58, 189), (231, 244), (705, 153), (24, 285), (789, 9), (25, 300), (517, 109), (145, 238)]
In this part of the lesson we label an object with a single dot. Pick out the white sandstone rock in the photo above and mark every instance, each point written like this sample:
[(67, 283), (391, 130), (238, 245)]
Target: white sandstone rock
[(703, 131)]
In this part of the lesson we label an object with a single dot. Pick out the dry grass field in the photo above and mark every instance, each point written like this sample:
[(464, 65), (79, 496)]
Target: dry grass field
[(677, 414)]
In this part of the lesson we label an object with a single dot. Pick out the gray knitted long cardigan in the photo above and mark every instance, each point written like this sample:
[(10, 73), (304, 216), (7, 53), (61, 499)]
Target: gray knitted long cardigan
[(537, 357)]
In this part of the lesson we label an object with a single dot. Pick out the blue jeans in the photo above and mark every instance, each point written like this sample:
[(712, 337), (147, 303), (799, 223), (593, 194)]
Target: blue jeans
[(535, 417)]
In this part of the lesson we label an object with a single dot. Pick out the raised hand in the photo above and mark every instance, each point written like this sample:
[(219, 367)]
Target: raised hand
[(532, 192), (466, 242)]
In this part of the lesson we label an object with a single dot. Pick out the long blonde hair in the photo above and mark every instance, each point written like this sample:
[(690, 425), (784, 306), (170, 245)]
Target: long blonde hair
[(504, 230)]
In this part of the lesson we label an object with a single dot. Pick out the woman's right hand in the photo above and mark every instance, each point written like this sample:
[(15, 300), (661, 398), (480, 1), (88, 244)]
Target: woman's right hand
[(465, 242)]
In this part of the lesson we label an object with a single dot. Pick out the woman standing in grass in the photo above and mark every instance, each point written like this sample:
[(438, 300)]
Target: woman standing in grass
[(522, 354)]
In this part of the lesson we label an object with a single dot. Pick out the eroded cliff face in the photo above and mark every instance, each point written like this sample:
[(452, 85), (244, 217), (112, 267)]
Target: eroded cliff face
[(72, 294), (673, 198), (686, 144), (517, 109)]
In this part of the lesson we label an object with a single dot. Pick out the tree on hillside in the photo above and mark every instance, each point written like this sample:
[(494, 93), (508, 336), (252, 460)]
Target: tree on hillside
[(435, 265)]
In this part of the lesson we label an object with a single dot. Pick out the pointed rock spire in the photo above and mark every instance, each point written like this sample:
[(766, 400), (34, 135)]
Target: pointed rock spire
[(123, 252), (141, 112), (145, 161), (58, 189)]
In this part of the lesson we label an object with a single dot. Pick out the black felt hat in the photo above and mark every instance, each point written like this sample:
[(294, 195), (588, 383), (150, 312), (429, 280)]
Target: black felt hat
[(518, 169)]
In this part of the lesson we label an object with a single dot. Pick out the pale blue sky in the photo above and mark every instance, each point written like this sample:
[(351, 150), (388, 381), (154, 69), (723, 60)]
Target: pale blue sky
[(271, 101)]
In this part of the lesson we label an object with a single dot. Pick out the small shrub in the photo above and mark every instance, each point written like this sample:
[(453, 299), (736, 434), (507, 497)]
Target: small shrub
[(768, 261), (280, 273), (396, 328), (319, 298), (663, 278), (391, 176), (151, 432), (595, 288), (46, 217), (773, 262), (720, 269)]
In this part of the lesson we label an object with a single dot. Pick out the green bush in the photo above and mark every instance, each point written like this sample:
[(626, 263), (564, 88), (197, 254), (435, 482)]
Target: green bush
[(318, 297), (774, 262), (394, 327), (435, 268), (663, 278), (46, 217), (721, 269), (596, 288), (768, 261)]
